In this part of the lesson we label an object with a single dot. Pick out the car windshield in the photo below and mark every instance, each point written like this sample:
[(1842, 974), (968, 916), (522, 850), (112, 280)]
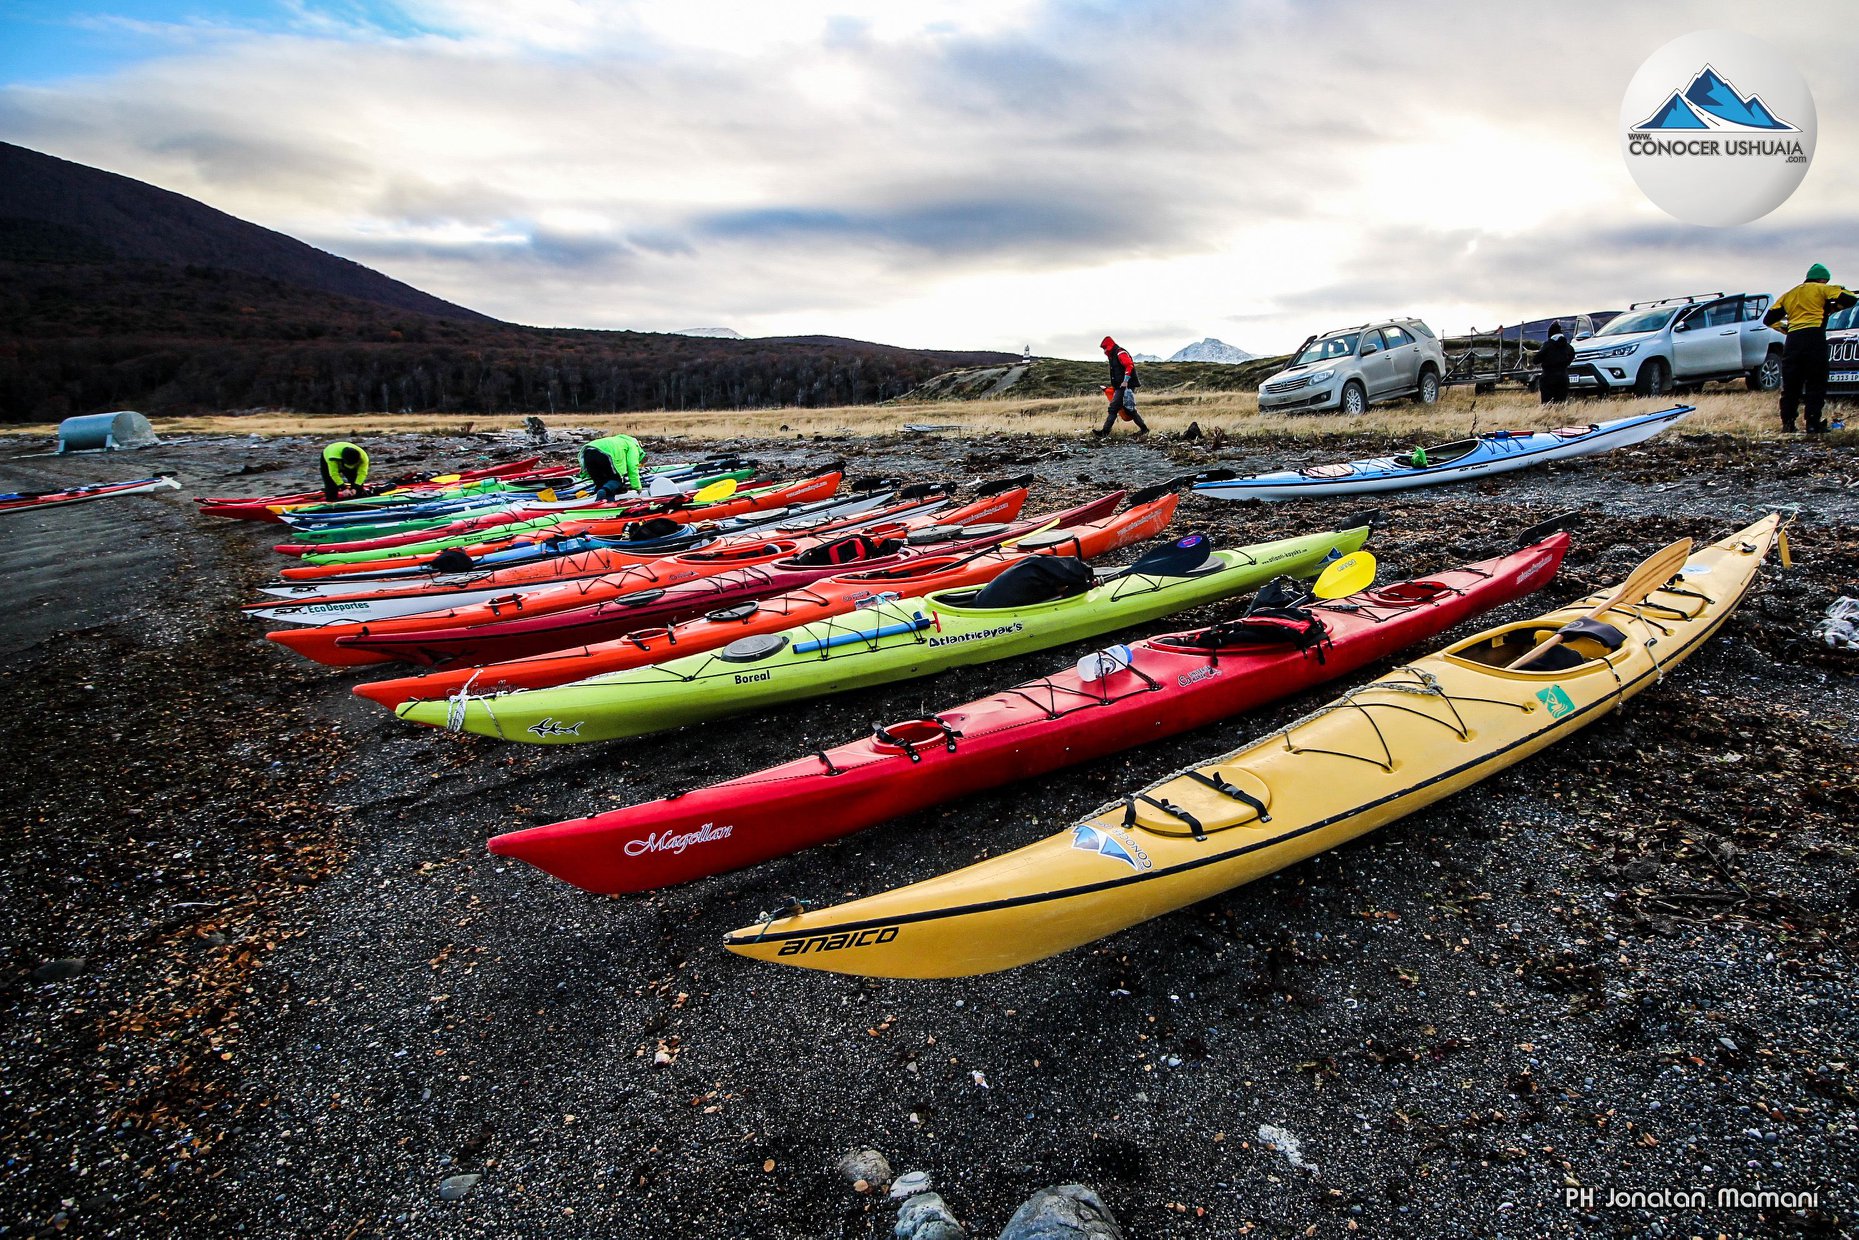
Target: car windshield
[(1842, 319), (1327, 348), (1638, 321)]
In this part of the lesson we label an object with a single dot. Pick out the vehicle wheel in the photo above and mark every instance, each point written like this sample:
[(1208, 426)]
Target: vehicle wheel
[(1429, 387), (1355, 398), (1768, 376), (1655, 378)]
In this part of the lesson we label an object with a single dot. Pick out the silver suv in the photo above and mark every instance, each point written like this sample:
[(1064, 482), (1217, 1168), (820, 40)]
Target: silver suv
[(1357, 366), (1680, 344)]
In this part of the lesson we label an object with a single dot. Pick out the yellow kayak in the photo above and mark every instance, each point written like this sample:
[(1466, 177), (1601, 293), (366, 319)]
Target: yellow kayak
[(1379, 752)]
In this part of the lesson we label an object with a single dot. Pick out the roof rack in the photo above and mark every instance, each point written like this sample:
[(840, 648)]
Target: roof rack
[(1676, 301)]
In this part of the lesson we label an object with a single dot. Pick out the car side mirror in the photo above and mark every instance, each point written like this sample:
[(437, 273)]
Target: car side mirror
[(1683, 326), (1584, 335), (1370, 349)]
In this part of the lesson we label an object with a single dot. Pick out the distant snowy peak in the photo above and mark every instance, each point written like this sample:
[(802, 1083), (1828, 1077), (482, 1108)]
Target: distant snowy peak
[(1211, 350), (1144, 357), (719, 333)]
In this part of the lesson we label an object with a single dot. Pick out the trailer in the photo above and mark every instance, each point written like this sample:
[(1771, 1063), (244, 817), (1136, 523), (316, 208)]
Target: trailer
[(1493, 357)]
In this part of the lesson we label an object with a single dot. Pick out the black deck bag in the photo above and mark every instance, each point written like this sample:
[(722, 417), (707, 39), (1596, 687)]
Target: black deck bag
[(1037, 580)]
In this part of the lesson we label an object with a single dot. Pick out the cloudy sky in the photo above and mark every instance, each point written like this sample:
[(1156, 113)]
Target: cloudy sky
[(947, 173)]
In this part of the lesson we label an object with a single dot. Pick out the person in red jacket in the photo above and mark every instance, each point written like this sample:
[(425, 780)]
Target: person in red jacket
[(1121, 391)]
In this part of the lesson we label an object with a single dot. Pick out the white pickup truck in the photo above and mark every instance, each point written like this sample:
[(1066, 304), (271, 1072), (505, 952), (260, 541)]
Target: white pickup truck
[(1679, 344), (1843, 353)]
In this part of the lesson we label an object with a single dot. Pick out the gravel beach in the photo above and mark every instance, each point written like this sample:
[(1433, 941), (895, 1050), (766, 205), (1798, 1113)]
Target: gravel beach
[(261, 976)]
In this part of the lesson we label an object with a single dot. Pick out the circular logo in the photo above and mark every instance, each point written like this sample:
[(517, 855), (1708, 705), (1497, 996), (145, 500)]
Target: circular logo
[(1717, 128)]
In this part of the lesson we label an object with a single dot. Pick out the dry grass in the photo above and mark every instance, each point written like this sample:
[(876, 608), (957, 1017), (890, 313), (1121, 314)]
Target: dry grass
[(1722, 410)]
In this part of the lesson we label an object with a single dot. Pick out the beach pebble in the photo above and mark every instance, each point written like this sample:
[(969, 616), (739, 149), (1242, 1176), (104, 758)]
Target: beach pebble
[(1067, 1212), (867, 1165), (456, 1186), (926, 1217), (910, 1183), (59, 970)]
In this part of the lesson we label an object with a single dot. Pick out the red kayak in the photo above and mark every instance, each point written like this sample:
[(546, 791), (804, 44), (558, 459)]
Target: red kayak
[(758, 500), (28, 501), (260, 508), (621, 607), (340, 644), (1171, 684), (835, 596)]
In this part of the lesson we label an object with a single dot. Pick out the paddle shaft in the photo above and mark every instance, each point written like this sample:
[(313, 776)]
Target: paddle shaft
[(1653, 572)]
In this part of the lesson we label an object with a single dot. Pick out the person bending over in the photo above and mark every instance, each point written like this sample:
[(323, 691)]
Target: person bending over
[(345, 468), (612, 464)]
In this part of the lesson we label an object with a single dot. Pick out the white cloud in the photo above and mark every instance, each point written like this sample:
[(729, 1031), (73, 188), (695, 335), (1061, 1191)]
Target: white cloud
[(950, 173)]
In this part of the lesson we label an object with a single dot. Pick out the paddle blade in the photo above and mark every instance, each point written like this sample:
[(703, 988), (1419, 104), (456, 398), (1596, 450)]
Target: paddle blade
[(1349, 575), (716, 491), (1543, 529), (444, 478), (546, 495), (1654, 571)]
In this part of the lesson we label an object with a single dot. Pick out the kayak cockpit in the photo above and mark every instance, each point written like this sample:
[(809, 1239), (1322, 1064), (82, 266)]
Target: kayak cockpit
[(1586, 646)]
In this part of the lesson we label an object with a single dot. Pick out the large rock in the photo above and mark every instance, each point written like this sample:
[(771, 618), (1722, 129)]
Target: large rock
[(1067, 1212), (926, 1217), (866, 1166)]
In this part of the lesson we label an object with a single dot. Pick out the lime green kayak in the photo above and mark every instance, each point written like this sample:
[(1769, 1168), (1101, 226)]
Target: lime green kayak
[(895, 640)]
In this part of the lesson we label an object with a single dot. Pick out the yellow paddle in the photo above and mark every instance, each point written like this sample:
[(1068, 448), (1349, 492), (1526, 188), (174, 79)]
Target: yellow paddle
[(1653, 572), (1349, 575), (442, 479), (546, 495), (721, 489)]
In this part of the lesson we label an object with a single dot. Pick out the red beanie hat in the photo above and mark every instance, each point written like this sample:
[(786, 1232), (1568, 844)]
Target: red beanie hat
[(1108, 343)]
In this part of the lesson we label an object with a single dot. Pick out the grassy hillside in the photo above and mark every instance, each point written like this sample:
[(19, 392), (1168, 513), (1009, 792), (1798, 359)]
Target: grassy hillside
[(1057, 378)]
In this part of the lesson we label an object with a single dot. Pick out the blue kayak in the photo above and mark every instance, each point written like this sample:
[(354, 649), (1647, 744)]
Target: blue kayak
[(1477, 457)]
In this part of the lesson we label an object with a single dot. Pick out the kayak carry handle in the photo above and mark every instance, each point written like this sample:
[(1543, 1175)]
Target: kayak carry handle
[(884, 736)]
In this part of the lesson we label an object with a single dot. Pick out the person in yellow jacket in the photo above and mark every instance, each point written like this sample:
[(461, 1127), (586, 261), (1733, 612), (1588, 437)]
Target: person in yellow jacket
[(345, 468), (612, 464), (1802, 312)]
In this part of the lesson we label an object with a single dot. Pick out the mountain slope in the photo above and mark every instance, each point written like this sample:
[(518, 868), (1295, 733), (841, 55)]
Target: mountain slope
[(115, 217), (115, 294)]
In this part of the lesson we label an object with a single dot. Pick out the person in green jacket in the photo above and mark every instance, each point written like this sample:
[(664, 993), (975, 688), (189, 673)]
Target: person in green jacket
[(612, 464), (345, 468)]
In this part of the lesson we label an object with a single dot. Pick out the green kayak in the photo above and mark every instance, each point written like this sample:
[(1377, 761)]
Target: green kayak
[(894, 640), (473, 538)]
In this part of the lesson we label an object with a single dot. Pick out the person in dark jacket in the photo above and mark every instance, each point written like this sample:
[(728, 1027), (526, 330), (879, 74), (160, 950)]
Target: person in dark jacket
[(1554, 358), (1121, 391)]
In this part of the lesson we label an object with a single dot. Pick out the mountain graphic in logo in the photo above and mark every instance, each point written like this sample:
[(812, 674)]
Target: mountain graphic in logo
[(1711, 102)]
